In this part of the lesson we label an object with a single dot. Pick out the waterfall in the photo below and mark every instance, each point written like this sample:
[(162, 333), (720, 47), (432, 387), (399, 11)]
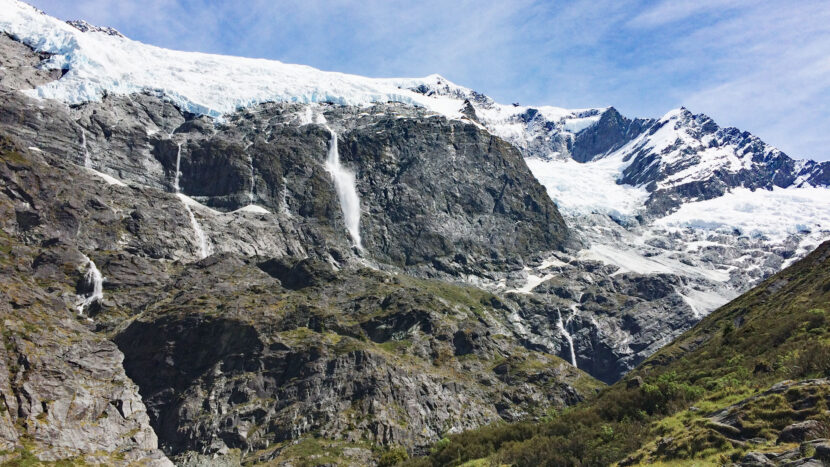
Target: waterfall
[(561, 325), (253, 183), (284, 207), (201, 238), (87, 160), (178, 167), (93, 276), (344, 183)]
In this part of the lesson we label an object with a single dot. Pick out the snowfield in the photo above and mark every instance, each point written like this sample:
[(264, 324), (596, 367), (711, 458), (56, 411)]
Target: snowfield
[(585, 188), (775, 214)]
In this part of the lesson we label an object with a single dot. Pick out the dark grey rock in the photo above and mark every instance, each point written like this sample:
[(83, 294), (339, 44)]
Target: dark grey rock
[(801, 431)]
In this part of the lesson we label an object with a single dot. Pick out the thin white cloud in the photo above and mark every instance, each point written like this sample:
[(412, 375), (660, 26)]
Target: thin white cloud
[(667, 12)]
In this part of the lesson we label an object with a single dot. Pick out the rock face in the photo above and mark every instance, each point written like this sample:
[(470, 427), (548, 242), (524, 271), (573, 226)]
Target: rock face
[(21, 67), (610, 133), (63, 390), (685, 157), (429, 187), (239, 355), (361, 356), (282, 334)]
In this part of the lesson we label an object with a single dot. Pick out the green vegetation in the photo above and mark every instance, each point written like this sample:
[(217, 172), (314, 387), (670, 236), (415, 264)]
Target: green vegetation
[(664, 412)]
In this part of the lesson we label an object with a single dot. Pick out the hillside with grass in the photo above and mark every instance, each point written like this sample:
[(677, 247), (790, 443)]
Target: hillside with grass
[(745, 386)]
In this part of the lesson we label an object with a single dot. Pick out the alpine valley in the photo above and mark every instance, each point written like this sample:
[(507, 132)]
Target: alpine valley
[(210, 260)]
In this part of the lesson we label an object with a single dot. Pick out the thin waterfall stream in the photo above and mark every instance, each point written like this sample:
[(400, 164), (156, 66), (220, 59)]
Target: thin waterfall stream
[(92, 277), (201, 238), (345, 184)]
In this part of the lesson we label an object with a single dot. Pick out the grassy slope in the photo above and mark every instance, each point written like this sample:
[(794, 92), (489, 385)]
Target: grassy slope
[(661, 412)]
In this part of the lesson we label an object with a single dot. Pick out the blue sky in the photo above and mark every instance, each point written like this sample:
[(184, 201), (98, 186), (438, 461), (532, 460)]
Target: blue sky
[(762, 66)]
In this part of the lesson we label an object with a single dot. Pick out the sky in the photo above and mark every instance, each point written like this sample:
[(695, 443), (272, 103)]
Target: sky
[(762, 66)]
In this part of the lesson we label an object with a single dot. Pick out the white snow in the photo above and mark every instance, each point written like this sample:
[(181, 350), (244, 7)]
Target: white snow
[(629, 260), (703, 303), (774, 214), (214, 85), (531, 283), (584, 188), (107, 178), (575, 125), (344, 183), (254, 209)]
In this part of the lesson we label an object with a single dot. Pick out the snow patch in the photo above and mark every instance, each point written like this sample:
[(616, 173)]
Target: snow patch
[(774, 214), (107, 178), (591, 187), (254, 209)]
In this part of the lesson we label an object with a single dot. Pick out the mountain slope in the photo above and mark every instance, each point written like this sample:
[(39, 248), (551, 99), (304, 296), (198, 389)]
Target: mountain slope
[(710, 396), (704, 233), (238, 314), (257, 236), (398, 360)]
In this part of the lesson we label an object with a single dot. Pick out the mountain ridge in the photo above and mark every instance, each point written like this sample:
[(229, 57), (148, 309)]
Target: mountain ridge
[(203, 230)]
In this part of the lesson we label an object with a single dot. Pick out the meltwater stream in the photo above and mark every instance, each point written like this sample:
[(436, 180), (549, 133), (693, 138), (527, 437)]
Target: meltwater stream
[(92, 277), (344, 183), (201, 238), (564, 330), (87, 160)]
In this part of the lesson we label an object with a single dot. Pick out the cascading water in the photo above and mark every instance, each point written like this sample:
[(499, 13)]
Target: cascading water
[(344, 183), (253, 181), (92, 277), (561, 325), (201, 238), (284, 206), (87, 159), (178, 167)]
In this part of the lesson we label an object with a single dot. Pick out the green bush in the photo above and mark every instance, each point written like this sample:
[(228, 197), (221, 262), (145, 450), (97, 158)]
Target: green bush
[(393, 456)]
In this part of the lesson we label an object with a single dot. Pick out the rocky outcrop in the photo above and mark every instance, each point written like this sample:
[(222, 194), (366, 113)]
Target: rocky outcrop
[(691, 158), (613, 320), (229, 359), (610, 133), (63, 390), (429, 188), (20, 67)]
